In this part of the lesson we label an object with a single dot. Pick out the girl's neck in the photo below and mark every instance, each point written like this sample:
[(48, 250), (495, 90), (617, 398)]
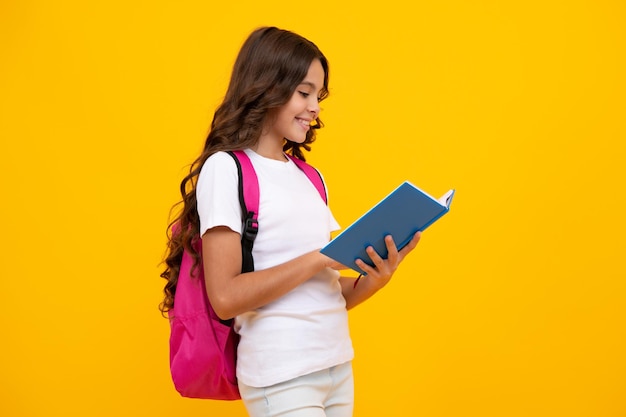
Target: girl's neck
[(270, 149)]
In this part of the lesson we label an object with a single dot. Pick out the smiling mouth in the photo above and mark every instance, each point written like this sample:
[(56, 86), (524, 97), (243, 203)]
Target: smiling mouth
[(304, 122)]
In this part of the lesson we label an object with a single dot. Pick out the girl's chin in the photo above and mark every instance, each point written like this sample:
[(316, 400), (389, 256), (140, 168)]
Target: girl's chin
[(298, 141)]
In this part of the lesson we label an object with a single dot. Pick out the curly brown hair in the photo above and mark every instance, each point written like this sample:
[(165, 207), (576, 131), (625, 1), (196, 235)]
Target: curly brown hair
[(271, 63)]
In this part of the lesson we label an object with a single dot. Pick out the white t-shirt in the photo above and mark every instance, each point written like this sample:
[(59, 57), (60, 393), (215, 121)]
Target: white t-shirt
[(305, 330)]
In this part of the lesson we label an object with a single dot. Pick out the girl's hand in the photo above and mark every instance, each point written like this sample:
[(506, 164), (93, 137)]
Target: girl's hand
[(337, 266), (383, 269), (331, 263)]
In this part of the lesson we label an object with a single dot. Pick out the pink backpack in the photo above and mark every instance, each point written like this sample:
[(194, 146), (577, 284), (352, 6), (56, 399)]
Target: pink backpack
[(203, 348)]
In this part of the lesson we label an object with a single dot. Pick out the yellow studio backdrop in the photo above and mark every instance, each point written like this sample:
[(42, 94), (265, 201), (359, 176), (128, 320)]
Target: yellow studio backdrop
[(513, 304)]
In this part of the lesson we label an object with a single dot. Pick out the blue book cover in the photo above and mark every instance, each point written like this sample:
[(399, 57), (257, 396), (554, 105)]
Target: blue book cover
[(401, 214)]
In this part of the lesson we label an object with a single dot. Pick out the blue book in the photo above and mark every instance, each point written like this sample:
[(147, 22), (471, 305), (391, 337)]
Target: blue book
[(401, 214)]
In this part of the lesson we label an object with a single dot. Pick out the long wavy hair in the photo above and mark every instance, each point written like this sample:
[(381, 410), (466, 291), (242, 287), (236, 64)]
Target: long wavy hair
[(271, 63)]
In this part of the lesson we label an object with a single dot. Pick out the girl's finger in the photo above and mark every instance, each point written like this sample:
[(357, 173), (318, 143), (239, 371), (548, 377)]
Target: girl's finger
[(365, 267), (392, 249), (374, 256), (411, 245)]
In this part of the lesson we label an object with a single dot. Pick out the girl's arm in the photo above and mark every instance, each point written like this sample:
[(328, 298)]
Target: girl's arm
[(379, 275), (231, 292)]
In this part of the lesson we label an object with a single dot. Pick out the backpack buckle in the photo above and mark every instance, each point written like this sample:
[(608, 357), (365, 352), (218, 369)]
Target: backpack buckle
[(250, 229)]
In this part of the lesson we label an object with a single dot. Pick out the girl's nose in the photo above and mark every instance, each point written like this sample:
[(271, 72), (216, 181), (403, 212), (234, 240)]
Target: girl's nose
[(314, 107)]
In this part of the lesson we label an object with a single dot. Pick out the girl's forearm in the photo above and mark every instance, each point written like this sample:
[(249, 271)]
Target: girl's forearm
[(251, 290), (355, 291)]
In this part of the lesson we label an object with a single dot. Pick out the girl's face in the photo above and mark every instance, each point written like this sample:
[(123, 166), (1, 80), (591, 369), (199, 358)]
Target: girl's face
[(293, 120)]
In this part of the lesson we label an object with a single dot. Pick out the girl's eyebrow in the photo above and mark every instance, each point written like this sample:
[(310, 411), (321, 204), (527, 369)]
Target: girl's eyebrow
[(309, 83)]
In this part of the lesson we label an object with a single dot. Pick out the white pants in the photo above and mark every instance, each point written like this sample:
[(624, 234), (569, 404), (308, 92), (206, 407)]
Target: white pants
[(326, 393)]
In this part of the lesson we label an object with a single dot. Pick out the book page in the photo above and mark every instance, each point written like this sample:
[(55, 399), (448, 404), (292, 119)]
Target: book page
[(446, 199)]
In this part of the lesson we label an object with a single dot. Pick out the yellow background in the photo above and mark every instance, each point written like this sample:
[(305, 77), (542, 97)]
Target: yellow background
[(513, 304)]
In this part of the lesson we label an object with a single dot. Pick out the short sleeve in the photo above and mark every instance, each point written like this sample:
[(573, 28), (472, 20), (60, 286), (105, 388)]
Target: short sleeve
[(217, 194)]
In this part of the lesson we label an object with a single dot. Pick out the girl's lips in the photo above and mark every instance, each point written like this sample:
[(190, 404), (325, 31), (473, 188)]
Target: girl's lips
[(305, 123)]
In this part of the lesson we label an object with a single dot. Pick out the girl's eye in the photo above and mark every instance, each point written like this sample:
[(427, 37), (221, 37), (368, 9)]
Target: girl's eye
[(303, 94)]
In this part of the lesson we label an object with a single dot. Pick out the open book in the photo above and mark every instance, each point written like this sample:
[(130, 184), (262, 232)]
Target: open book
[(401, 214)]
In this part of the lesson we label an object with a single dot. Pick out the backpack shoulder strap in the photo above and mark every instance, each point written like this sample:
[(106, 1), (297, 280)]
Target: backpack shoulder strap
[(249, 197), (313, 175), (249, 200)]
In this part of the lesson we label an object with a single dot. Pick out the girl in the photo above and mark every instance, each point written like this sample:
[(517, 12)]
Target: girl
[(294, 355)]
